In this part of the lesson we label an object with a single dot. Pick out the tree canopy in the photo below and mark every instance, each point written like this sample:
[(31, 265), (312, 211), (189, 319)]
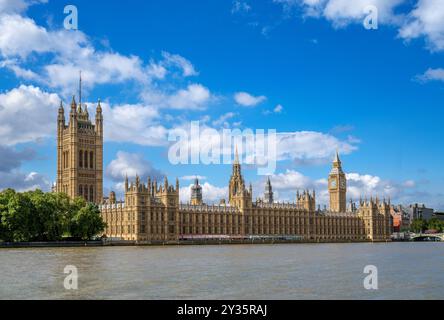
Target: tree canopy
[(40, 216), (420, 225)]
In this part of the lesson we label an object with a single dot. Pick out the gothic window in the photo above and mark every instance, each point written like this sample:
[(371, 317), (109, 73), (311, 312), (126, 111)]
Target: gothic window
[(91, 160), (86, 159), (80, 158), (91, 194), (80, 191), (86, 193)]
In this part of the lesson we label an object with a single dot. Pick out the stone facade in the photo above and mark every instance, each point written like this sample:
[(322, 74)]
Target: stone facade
[(80, 153), (151, 212)]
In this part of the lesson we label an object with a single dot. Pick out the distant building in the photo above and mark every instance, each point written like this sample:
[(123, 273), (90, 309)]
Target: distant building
[(417, 211), (401, 217)]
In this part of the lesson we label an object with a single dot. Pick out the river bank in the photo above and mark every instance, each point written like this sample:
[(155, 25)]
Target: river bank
[(119, 243)]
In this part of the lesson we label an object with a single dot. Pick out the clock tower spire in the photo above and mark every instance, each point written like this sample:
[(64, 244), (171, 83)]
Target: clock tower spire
[(337, 186)]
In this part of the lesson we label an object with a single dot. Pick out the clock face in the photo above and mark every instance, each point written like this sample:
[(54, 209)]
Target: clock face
[(333, 183), (343, 184)]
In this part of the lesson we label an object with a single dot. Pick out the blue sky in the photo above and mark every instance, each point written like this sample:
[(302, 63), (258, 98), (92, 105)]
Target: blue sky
[(374, 94)]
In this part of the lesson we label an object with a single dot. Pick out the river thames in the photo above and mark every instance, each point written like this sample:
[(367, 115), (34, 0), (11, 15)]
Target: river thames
[(408, 270)]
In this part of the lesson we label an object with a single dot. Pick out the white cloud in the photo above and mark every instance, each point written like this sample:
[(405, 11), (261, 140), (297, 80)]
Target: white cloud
[(223, 119), (307, 147), (19, 72), (248, 100), (240, 7), (278, 109), (195, 96), (344, 12), (431, 75), (14, 6), (286, 184), (130, 164), (367, 185), (178, 61), (191, 178), (290, 180), (135, 123), (67, 52), (20, 36), (210, 193), (24, 181), (427, 20), (27, 114)]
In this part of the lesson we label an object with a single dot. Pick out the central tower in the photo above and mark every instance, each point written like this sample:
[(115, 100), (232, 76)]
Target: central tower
[(80, 152), (238, 195), (337, 186)]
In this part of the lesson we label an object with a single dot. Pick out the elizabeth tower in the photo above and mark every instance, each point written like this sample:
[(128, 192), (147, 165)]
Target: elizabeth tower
[(337, 186)]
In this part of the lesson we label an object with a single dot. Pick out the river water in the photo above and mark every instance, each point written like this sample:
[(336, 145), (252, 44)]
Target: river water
[(409, 270)]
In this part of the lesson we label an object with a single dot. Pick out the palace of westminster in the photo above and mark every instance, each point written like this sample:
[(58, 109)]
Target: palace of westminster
[(152, 211)]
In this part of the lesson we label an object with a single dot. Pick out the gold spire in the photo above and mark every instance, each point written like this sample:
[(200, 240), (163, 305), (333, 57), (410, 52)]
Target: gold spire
[(337, 160), (236, 157), (80, 93)]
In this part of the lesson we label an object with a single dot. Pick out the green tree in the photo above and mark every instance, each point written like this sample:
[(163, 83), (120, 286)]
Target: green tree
[(17, 218), (40, 216), (435, 224), (418, 225), (51, 216), (87, 222), (5, 195)]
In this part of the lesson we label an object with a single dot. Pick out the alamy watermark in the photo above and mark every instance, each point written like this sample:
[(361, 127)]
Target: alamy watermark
[(371, 281), (371, 20), (71, 280), (209, 146), (71, 21)]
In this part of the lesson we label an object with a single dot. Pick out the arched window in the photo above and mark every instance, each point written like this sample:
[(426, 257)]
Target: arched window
[(81, 159), (86, 159), (91, 194), (80, 191), (91, 160), (86, 193)]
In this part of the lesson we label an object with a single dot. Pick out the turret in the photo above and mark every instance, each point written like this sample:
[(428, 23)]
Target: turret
[(99, 119), (196, 193), (268, 195), (61, 116), (112, 197), (306, 200), (137, 181)]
